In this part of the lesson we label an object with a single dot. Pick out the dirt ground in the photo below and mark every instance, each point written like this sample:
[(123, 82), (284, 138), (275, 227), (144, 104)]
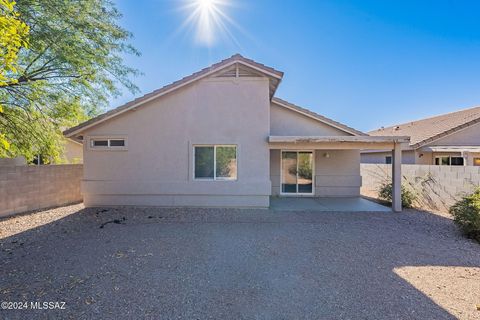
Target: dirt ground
[(152, 263)]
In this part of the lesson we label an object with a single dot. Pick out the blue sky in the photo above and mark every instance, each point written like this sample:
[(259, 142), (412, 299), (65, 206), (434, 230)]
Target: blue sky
[(364, 63)]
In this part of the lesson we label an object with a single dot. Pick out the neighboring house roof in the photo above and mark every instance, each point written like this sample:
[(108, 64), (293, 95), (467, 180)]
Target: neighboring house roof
[(424, 131), (317, 117), (274, 75)]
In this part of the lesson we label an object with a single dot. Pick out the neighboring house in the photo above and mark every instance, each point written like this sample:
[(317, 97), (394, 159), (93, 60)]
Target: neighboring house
[(73, 151), (219, 138), (448, 139)]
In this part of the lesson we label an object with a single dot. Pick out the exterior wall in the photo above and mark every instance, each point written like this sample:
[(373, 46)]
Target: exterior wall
[(73, 152), (425, 158), (157, 167), (337, 175), (471, 156), (275, 171), (24, 188), (408, 157), (285, 122), (436, 187)]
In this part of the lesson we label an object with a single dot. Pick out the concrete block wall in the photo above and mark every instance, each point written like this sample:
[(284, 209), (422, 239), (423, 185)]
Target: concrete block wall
[(436, 187), (18, 161), (24, 188)]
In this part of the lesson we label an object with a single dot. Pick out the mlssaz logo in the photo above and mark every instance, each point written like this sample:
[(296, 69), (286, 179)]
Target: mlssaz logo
[(59, 305)]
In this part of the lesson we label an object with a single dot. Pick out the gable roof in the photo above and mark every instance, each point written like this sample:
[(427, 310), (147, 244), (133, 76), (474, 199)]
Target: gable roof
[(424, 131), (317, 117), (275, 77)]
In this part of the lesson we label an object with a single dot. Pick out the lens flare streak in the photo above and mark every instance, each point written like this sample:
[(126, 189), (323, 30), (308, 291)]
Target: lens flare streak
[(209, 19)]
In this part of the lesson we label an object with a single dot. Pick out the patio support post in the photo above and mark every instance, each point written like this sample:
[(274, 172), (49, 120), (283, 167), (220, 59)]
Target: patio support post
[(397, 178)]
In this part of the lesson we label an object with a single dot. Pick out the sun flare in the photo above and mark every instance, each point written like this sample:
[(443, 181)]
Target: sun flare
[(209, 19), (206, 4)]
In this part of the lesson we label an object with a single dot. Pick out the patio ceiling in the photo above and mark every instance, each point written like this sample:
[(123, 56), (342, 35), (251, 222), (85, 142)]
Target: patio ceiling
[(451, 149)]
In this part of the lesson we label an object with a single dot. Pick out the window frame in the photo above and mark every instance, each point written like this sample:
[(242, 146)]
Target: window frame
[(457, 165), (440, 160), (388, 159), (108, 147), (215, 146), (297, 194), (449, 161)]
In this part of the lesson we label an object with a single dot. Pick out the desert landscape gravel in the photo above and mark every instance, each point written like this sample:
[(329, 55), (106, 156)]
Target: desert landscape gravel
[(154, 263)]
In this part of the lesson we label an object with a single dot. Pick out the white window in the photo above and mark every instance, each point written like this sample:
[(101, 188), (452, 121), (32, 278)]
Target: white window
[(449, 161), (215, 162), (113, 143)]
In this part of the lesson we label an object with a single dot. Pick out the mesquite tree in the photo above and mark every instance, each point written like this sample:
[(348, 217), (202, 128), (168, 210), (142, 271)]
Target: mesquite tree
[(66, 73)]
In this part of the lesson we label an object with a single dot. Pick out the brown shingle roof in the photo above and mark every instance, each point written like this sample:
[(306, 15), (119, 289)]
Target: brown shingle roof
[(276, 77), (427, 130), (318, 117)]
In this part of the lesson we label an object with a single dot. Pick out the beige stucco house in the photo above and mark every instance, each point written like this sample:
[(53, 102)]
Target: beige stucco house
[(219, 137), (448, 139), (73, 151)]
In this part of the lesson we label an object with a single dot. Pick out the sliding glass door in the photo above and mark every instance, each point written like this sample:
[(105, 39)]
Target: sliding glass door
[(297, 172)]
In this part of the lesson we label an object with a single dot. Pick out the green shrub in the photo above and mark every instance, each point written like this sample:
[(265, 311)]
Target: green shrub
[(466, 214), (385, 193)]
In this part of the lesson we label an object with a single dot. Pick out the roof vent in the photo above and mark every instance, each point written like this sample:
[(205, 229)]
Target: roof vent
[(397, 128)]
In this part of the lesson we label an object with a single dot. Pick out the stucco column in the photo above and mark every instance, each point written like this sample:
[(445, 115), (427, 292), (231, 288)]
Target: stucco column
[(397, 178)]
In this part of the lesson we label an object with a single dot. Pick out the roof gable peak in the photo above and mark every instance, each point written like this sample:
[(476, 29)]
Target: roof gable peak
[(274, 75)]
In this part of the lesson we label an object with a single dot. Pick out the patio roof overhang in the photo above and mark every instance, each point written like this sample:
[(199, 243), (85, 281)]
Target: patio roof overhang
[(394, 143), (451, 149), (338, 142)]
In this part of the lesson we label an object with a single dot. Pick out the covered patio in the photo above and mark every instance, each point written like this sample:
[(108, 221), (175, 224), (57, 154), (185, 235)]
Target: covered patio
[(326, 169)]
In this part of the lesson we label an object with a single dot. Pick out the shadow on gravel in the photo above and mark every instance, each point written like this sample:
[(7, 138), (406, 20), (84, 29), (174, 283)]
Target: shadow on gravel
[(123, 263)]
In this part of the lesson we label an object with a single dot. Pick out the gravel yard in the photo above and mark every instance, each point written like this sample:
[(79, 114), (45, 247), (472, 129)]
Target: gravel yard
[(132, 263)]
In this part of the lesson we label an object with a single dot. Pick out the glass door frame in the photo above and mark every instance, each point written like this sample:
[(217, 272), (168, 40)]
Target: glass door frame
[(296, 194)]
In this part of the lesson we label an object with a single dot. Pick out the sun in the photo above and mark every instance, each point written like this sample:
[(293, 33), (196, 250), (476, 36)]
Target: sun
[(209, 19), (206, 5)]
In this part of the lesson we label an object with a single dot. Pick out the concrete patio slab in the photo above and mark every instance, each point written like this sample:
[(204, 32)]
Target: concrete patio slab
[(325, 204)]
